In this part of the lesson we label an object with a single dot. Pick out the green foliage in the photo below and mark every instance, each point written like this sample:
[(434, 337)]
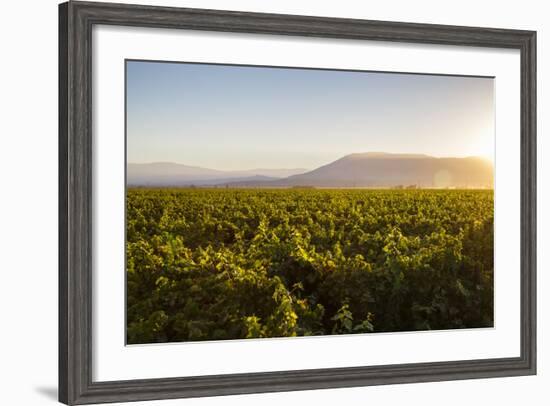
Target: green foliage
[(210, 264)]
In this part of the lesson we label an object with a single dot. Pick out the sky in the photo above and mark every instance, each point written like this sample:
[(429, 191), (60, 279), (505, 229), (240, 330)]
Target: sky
[(244, 117)]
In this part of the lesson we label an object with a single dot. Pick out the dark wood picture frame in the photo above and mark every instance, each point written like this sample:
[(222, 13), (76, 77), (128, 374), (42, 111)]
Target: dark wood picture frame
[(76, 20)]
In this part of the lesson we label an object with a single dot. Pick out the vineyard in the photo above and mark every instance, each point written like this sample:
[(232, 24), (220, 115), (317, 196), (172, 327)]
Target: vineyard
[(213, 264)]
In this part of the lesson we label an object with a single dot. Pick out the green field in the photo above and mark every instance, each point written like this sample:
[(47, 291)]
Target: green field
[(209, 264)]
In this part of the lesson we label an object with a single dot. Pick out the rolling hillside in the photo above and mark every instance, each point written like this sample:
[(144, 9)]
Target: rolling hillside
[(371, 169)]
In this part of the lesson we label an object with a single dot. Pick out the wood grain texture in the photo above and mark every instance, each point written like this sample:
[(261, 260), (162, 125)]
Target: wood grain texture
[(75, 202), (63, 365)]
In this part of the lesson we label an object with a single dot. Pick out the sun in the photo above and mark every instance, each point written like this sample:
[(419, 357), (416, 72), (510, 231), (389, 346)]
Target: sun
[(484, 146), (488, 156)]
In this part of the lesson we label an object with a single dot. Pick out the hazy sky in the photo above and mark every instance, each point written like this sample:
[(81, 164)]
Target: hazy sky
[(232, 117)]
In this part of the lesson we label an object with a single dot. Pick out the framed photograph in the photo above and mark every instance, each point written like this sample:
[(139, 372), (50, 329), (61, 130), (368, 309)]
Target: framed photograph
[(258, 202)]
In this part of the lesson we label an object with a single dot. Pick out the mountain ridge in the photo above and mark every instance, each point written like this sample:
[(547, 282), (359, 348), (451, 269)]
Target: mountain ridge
[(176, 174), (394, 170), (368, 169)]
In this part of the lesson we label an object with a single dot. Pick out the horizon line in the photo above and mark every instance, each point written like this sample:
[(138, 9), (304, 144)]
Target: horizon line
[(488, 159)]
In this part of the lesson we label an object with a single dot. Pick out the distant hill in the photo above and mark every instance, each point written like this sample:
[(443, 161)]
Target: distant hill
[(390, 170), (172, 174), (371, 169), (378, 169), (235, 182)]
